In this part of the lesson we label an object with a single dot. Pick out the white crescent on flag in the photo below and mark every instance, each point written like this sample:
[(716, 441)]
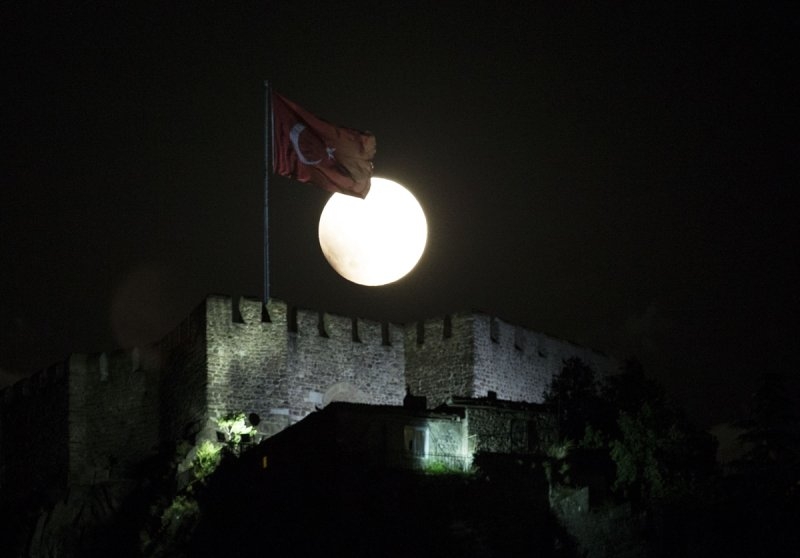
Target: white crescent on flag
[(307, 148), (294, 137)]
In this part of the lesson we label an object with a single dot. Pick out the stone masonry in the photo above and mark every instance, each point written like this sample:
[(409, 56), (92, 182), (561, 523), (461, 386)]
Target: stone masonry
[(114, 409)]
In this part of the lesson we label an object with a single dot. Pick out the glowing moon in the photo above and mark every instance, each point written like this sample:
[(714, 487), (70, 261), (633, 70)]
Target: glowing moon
[(376, 240)]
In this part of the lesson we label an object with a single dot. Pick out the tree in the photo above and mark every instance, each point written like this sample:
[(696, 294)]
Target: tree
[(573, 396), (627, 422), (651, 455), (631, 388), (771, 431), (658, 453)]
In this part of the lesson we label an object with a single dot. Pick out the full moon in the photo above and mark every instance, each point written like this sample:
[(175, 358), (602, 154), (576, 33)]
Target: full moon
[(376, 240)]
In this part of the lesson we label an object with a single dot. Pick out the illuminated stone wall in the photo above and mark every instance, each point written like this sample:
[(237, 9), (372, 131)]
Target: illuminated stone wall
[(334, 358), (299, 360), (502, 430), (518, 364), (440, 358), (472, 354), (105, 412), (247, 360)]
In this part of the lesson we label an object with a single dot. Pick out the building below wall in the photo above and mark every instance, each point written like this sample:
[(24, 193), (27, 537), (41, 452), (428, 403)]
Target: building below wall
[(412, 437)]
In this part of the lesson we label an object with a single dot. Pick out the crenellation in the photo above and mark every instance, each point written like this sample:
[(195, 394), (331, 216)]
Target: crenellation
[(307, 322), (386, 334), (277, 313), (250, 310), (33, 425), (37, 383), (434, 329), (440, 366), (339, 328), (291, 319), (524, 374), (355, 335), (494, 329), (115, 407), (369, 332), (447, 326), (113, 415)]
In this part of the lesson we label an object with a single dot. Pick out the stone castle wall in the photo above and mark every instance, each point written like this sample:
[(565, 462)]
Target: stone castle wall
[(337, 358), (181, 358), (246, 358), (518, 364), (34, 442), (284, 368), (113, 415), (472, 354), (440, 358), (99, 414)]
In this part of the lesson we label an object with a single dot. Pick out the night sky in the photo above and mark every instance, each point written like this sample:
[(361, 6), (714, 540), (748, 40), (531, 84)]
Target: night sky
[(622, 176)]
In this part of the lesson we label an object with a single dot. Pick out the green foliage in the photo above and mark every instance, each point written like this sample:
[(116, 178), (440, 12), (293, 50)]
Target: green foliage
[(655, 452), (573, 395), (175, 517), (631, 389), (556, 467), (638, 469), (771, 439), (654, 455), (593, 438), (772, 431), (179, 516), (441, 468), (559, 450), (207, 459), (236, 430)]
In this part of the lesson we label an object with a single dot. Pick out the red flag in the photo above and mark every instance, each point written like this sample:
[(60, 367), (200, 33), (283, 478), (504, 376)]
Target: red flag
[(310, 149)]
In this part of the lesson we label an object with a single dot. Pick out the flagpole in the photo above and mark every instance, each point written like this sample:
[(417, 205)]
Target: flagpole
[(267, 161)]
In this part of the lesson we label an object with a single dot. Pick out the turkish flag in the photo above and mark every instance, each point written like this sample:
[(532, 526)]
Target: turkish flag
[(310, 149)]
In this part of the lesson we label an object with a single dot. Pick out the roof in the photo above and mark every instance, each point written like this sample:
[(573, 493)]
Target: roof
[(490, 402)]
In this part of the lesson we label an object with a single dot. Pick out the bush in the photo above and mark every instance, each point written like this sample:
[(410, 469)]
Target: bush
[(207, 459)]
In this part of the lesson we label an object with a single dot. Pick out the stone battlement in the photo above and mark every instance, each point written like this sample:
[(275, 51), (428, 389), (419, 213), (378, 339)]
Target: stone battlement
[(34, 384), (95, 416), (282, 316)]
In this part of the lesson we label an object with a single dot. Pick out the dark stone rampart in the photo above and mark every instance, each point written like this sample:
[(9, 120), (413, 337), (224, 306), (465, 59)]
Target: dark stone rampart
[(34, 445)]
